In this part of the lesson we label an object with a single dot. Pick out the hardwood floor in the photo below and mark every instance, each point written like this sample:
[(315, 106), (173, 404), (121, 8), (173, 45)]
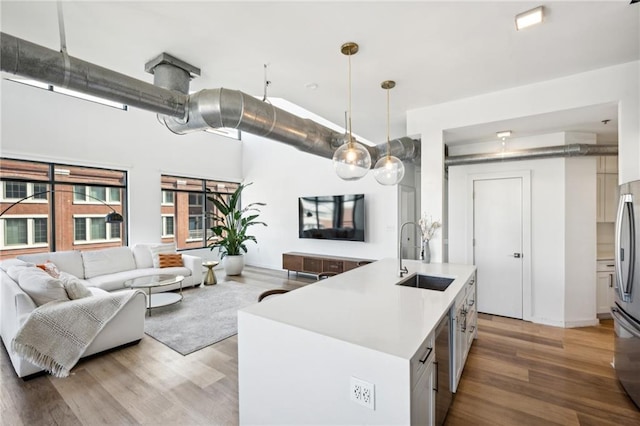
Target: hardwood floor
[(517, 373)]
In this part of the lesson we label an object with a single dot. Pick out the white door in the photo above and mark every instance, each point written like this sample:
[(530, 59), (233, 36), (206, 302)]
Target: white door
[(497, 233)]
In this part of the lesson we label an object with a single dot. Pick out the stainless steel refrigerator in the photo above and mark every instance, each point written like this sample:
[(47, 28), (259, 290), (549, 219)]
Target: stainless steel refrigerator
[(626, 311)]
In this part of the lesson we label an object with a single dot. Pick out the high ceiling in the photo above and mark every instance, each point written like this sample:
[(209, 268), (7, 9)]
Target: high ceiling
[(435, 51)]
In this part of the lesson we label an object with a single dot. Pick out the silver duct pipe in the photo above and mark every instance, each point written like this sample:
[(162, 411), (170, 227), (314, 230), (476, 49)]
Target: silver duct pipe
[(180, 112), (573, 150), (30, 60), (237, 110)]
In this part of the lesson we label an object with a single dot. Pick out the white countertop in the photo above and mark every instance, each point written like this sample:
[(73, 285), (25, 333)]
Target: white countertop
[(365, 307)]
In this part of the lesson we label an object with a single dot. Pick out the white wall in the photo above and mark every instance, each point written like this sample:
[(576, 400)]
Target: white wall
[(41, 125), (280, 174), (618, 84), (563, 229), (580, 242)]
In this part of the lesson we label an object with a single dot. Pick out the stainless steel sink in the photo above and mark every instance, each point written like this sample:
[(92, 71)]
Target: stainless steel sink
[(427, 282)]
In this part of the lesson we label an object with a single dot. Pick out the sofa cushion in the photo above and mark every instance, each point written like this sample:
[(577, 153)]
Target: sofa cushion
[(50, 268), (6, 264), (40, 286), (166, 260), (68, 261), (107, 261), (142, 255), (168, 248), (74, 287)]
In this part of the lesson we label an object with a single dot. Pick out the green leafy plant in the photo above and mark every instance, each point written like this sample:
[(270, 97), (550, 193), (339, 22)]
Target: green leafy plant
[(232, 223)]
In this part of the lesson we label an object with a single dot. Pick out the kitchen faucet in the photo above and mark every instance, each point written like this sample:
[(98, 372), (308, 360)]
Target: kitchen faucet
[(403, 270)]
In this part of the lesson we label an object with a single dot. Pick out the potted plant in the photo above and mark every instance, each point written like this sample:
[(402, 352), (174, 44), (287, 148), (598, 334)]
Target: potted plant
[(231, 223)]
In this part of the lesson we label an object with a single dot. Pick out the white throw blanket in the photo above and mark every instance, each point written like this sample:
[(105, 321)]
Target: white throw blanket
[(56, 334)]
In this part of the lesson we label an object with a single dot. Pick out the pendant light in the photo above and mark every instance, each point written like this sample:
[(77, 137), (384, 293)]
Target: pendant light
[(389, 170), (352, 160)]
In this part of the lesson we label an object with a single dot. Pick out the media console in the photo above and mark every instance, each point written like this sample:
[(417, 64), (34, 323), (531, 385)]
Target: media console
[(315, 263)]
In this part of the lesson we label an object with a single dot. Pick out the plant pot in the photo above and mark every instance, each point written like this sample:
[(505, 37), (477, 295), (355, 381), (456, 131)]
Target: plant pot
[(233, 265)]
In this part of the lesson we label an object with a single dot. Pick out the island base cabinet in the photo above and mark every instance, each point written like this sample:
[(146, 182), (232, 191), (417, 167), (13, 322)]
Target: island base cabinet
[(464, 328), (423, 398)]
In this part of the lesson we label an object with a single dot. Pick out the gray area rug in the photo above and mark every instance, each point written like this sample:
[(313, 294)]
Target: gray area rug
[(205, 316)]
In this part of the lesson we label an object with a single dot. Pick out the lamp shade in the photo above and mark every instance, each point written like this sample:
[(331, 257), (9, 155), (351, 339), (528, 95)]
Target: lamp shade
[(351, 161), (389, 170), (114, 217)]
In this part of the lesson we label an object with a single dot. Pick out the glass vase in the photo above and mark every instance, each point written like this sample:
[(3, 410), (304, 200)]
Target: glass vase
[(426, 252)]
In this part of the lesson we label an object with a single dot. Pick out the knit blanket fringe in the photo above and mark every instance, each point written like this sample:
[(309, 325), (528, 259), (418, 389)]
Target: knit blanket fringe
[(57, 334)]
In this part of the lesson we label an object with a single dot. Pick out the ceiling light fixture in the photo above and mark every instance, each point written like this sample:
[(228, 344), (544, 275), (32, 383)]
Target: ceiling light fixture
[(352, 160), (388, 170), (503, 135), (529, 18)]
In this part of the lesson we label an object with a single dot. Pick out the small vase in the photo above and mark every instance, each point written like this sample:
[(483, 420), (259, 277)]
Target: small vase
[(426, 252)]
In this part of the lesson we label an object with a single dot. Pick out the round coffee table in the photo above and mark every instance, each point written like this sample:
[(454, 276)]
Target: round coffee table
[(156, 300)]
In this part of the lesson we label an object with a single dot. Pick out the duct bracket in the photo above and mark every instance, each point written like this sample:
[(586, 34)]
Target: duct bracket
[(165, 58), (171, 73)]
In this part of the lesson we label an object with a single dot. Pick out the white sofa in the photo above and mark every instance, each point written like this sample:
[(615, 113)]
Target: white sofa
[(15, 306), (100, 271), (109, 268)]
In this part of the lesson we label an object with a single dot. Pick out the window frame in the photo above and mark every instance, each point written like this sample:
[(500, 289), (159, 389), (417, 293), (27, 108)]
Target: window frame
[(30, 231)]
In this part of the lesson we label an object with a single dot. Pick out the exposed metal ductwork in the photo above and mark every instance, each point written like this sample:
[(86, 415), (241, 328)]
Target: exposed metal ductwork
[(183, 113), (572, 150)]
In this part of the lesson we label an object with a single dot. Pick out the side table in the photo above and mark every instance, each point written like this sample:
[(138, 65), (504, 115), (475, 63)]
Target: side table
[(210, 278)]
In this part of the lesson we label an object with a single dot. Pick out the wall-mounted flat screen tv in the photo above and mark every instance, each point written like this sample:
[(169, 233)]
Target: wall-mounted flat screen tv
[(332, 217)]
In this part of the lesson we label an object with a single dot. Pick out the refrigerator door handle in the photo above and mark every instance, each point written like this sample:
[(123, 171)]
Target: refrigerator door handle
[(620, 317), (625, 205)]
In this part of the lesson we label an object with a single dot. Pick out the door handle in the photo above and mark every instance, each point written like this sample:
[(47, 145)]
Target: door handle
[(516, 255)]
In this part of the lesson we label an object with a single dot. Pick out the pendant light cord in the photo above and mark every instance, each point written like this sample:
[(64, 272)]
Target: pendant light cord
[(388, 121), (350, 136)]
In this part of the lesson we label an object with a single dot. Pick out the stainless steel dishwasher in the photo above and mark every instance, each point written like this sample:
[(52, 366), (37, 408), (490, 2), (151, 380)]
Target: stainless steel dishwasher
[(442, 363)]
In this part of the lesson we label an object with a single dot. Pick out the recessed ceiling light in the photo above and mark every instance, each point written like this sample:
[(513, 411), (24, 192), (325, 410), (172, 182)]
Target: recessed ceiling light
[(529, 18), (503, 134), (311, 86)]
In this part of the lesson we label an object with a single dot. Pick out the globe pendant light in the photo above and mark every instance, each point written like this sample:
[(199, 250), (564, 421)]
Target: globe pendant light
[(352, 160), (389, 170)]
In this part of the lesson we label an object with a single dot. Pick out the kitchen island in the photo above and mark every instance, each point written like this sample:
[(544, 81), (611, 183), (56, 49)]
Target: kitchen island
[(298, 353)]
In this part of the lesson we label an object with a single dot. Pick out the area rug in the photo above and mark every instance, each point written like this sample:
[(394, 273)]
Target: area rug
[(205, 316)]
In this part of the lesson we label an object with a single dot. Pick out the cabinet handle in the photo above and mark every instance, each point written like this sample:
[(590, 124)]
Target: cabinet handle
[(610, 280), (611, 266), (437, 384), (472, 329), (426, 357), (471, 303)]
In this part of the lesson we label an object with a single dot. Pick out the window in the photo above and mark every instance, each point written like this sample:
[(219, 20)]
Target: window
[(15, 191), (23, 232), (92, 229), (81, 197), (167, 226), (167, 198), (186, 209)]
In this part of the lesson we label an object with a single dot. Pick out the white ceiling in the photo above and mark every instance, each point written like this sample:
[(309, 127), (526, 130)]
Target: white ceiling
[(435, 51)]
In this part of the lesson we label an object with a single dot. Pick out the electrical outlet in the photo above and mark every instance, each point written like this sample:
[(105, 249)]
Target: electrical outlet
[(363, 393)]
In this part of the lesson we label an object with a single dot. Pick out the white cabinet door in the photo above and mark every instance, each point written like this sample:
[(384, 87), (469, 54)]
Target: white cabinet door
[(600, 197), (604, 292), (423, 398), (610, 197), (611, 164)]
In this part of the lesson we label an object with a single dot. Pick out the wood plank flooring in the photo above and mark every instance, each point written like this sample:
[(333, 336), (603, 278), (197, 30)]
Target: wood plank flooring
[(517, 373)]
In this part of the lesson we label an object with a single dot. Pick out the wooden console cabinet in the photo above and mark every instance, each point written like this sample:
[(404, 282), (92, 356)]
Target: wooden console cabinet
[(316, 263)]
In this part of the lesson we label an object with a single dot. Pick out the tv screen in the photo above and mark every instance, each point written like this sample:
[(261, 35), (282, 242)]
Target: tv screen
[(332, 217)]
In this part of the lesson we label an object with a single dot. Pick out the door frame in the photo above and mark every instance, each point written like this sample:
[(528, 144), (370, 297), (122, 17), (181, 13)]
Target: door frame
[(525, 175)]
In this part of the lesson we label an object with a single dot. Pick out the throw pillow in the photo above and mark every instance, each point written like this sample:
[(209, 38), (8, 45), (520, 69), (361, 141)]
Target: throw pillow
[(50, 268), (40, 286), (6, 264), (161, 248), (74, 287), (169, 260)]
